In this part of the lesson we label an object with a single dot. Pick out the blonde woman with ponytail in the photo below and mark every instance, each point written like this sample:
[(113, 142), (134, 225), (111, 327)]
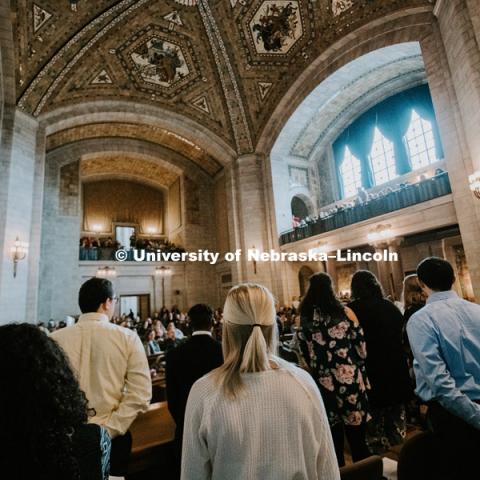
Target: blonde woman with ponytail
[(256, 417)]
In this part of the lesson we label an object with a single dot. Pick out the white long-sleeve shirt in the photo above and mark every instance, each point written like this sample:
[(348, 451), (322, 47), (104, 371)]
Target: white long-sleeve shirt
[(111, 367), (277, 429)]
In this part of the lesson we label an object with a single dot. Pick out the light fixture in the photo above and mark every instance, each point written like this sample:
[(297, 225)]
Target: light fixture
[(474, 181), (106, 272), (151, 230), (97, 228), (162, 271), (380, 233), (19, 252)]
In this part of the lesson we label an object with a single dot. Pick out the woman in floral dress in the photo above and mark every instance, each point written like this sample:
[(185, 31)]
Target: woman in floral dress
[(335, 351)]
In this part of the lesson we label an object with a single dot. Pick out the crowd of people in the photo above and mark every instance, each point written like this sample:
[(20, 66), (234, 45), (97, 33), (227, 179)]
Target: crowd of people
[(240, 409), (103, 248), (368, 204)]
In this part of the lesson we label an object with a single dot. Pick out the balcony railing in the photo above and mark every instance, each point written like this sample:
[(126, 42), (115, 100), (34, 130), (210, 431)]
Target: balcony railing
[(405, 196), (94, 253)]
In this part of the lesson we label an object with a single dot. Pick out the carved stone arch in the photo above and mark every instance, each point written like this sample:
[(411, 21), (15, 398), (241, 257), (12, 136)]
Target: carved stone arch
[(296, 201), (410, 25), (127, 112)]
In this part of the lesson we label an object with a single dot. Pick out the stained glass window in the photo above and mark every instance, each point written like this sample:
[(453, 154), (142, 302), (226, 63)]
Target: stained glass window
[(351, 174), (420, 142), (382, 157)]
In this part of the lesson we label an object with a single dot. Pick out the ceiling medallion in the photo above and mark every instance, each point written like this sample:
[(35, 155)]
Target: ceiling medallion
[(160, 62), (276, 26), (40, 17)]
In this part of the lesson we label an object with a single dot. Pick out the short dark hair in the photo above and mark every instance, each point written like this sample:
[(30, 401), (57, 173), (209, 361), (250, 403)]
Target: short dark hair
[(201, 317), (436, 273), (93, 293)]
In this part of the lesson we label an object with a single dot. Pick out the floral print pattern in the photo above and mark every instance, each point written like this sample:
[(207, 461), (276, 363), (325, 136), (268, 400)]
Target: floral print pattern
[(337, 361)]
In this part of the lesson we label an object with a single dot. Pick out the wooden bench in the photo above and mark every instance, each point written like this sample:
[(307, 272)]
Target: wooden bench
[(152, 433)]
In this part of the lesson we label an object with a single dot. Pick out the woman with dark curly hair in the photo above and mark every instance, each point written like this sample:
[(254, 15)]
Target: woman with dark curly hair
[(43, 413)]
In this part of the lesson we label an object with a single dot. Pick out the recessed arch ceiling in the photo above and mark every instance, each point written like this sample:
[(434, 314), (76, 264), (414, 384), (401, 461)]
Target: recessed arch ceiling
[(148, 133), (345, 95), (218, 62), (125, 166)]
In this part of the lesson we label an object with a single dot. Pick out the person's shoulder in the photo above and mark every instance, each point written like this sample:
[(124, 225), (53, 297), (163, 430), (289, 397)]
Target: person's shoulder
[(419, 318), (299, 374), (66, 332), (204, 387)]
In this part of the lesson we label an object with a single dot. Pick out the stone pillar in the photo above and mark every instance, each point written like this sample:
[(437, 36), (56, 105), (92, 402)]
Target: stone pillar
[(385, 276), (452, 61), (17, 203), (396, 268), (251, 218)]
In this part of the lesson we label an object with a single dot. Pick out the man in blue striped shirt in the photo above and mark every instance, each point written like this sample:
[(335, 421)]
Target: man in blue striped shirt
[(445, 340)]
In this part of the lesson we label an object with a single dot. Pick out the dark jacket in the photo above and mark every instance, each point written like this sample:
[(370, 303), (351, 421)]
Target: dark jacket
[(184, 366), (387, 368)]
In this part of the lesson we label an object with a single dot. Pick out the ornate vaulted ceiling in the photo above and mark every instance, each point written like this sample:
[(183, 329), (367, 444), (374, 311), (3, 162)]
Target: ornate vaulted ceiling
[(224, 63)]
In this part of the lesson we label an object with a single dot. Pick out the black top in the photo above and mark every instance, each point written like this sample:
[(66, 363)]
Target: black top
[(91, 444), (184, 366), (386, 363)]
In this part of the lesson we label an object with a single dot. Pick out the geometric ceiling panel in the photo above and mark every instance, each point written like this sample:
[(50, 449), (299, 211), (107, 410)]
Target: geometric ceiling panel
[(276, 26), (40, 17), (274, 31), (159, 60)]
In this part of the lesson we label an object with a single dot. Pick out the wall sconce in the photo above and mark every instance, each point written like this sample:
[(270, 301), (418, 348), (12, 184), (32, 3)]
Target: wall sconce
[(19, 252), (474, 181), (97, 228), (162, 271), (106, 272), (151, 230), (380, 233)]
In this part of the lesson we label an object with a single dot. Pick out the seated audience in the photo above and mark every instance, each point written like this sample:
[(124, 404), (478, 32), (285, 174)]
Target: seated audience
[(171, 340), (43, 421), (151, 345), (187, 363), (336, 356), (445, 340), (386, 363), (111, 366), (256, 416), (160, 330)]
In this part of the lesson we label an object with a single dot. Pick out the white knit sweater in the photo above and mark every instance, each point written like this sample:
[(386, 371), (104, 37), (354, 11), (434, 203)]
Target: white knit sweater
[(277, 429)]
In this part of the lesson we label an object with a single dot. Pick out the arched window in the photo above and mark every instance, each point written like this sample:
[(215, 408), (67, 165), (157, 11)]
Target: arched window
[(351, 174), (420, 142), (382, 157)]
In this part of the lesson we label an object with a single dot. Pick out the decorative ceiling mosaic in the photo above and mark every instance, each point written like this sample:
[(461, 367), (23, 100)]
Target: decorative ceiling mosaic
[(223, 63)]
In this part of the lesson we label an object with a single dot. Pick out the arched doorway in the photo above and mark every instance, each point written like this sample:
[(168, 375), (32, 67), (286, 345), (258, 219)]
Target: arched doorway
[(303, 279), (299, 208)]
